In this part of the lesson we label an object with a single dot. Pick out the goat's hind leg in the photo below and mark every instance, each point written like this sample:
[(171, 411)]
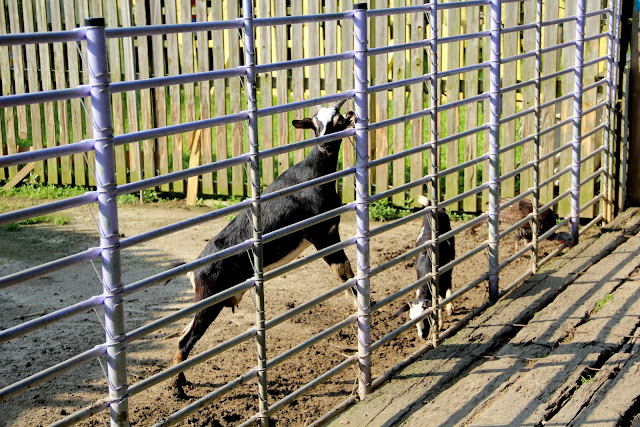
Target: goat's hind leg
[(190, 336)]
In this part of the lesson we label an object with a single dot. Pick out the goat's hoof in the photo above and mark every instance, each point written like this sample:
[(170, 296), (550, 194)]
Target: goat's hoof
[(178, 386), (449, 309)]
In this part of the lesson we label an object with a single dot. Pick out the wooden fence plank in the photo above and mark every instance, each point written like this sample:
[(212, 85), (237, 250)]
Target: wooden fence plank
[(174, 93), (382, 105), (346, 83), (34, 85), (18, 68), (548, 88), (509, 77), (399, 138), (528, 96), (312, 44), (472, 56), (237, 135), (566, 134), (47, 84), (160, 94), (133, 105), (5, 73), (61, 82), (86, 11), (202, 42), (485, 25), (265, 136), (453, 115), (140, 18), (417, 103), (220, 93), (282, 41), (297, 75), (589, 99), (117, 105)]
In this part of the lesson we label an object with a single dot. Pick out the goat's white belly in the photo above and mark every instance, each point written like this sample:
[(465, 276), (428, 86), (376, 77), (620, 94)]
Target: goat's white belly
[(291, 255)]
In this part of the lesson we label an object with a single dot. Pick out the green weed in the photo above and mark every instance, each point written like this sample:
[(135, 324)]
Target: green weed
[(58, 219), (600, 304), (37, 191), (382, 210)]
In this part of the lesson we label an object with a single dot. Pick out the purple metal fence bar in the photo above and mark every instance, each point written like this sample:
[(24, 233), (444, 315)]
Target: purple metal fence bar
[(577, 121), (434, 185), (362, 198), (256, 216), (108, 221), (608, 156), (494, 148)]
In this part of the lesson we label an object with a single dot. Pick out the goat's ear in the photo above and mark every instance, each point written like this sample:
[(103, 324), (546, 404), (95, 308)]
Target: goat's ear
[(404, 308), (305, 123)]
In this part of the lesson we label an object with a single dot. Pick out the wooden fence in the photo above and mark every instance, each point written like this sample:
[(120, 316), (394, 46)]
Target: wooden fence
[(60, 65)]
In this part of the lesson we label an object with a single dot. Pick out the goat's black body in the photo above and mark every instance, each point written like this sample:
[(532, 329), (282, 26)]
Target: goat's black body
[(446, 252), (276, 214)]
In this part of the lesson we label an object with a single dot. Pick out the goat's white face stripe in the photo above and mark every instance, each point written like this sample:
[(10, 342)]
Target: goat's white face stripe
[(324, 116)]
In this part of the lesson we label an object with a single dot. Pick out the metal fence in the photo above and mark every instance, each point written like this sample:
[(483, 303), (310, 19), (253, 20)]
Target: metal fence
[(114, 294)]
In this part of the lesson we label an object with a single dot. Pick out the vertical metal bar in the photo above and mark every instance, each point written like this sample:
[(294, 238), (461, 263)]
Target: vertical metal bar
[(536, 141), (256, 216), (622, 165), (494, 148), (108, 221), (433, 171), (607, 187), (577, 121), (362, 197)]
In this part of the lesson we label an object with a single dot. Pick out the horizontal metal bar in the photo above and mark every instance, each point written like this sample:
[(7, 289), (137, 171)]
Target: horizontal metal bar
[(555, 152), (306, 62), (284, 108), (462, 102), (594, 153), (398, 259), (179, 128), (595, 130), (557, 47), (311, 142), (595, 85), (396, 223), (204, 400), (46, 153), (52, 372), (49, 318), (159, 30), (155, 181), (191, 362), (516, 171), (373, 13), (308, 184), (302, 19), (400, 119), (464, 195), (311, 385), (398, 47), (596, 61), (463, 165), (194, 308), (464, 257), (75, 35), (401, 188), (517, 28), (118, 87), (400, 155), (462, 70), (594, 108), (86, 412), (182, 269), (8, 101), (555, 176), (463, 37), (300, 225), (41, 270), (182, 225), (309, 258), (604, 11), (400, 83), (592, 176), (311, 341)]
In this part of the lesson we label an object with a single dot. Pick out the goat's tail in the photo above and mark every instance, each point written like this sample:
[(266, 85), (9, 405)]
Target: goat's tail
[(172, 266)]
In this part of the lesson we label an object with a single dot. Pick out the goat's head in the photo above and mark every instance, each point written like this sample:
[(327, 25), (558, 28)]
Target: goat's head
[(417, 307), (563, 237), (328, 120)]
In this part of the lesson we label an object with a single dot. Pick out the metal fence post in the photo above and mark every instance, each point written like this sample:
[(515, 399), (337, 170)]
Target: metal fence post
[(256, 217), (494, 148), (108, 220), (434, 162), (577, 122), (609, 134), (536, 140), (362, 197)]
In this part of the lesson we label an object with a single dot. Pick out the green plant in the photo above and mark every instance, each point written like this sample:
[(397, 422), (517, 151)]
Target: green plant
[(59, 219), (459, 216), (37, 191), (382, 210), (584, 380), (600, 304), (13, 226)]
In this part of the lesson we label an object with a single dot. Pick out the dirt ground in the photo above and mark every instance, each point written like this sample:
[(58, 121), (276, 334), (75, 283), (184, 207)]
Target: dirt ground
[(36, 244)]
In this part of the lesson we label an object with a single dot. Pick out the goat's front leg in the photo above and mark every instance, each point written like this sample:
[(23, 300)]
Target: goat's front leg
[(338, 261)]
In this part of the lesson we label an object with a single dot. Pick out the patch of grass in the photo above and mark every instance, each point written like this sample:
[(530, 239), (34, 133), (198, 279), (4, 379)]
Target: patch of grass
[(382, 210), (149, 196), (36, 191), (459, 216), (58, 219), (600, 304), (584, 380)]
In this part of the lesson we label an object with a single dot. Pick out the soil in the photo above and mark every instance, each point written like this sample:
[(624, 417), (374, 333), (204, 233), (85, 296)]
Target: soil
[(36, 244)]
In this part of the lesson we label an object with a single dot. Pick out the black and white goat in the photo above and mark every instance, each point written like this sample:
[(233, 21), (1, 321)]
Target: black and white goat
[(219, 276), (447, 253)]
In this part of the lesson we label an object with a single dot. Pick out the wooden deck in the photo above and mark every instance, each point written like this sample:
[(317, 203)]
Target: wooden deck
[(562, 349)]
